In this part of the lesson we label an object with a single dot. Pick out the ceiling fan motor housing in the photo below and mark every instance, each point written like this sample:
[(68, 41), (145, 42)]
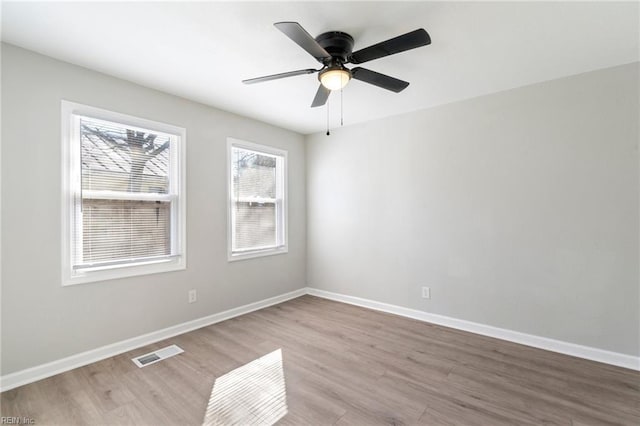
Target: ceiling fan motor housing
[(338, 44)]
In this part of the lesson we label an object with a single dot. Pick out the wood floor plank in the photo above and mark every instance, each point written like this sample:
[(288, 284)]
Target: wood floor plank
[(342, 365)]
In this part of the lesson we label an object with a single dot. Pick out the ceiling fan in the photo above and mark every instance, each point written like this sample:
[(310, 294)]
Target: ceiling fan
[(333, 50)]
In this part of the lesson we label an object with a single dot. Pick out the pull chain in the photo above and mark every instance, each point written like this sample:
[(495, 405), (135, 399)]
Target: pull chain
[(341, 110), (328, 132)]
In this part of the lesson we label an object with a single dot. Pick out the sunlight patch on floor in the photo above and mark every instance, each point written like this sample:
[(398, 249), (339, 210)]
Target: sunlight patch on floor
[(253, 394)]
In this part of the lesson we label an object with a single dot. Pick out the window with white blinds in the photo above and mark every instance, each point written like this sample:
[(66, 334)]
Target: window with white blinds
[(125, 198), (257, 200)]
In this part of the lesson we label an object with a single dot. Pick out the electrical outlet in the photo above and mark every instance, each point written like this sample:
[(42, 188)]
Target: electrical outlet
[(426, 293), (192, 296)]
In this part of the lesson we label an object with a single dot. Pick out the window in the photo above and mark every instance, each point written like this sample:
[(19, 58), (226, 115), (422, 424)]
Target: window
[(124, 195), (257, 200)]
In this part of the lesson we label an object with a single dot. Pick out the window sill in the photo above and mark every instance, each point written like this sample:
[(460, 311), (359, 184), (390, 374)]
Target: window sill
[(104, 274), (233, 257)]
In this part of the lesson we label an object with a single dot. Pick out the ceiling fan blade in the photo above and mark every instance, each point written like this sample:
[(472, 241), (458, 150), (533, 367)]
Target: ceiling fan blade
[(377, 79), (277, 76), (392, 46), (321, 97), (302, 38)]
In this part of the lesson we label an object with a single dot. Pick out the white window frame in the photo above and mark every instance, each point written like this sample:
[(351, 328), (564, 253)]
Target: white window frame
[(282, 196), (71, 185)]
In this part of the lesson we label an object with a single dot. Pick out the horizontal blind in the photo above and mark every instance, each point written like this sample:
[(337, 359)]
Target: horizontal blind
[(117, 229), (254, 191), (125, 205), (255, 225)]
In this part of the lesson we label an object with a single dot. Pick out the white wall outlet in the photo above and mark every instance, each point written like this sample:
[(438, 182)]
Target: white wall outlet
[(426, 293), (192, 296)]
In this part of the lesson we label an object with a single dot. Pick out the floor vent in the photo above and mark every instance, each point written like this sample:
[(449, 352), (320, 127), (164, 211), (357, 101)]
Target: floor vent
[(155, 356)]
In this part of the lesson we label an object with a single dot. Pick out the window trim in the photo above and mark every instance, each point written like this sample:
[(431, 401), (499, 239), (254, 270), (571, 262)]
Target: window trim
[(70, 183), (283, 220)]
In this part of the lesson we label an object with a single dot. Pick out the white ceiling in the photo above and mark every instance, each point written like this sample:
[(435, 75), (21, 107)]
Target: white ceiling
[(202, 50)]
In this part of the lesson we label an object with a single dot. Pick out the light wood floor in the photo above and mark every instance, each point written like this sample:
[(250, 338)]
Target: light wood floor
[(342, 365)]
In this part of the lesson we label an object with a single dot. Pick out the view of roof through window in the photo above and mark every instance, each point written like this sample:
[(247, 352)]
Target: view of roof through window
[(123, 159)]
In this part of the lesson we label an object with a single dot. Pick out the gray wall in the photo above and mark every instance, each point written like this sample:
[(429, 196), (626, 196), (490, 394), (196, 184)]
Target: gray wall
[(519, 210), (43, 321)]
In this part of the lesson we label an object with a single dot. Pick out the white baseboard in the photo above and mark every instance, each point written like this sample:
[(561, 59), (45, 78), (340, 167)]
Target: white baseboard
[(43, 371), (587, 352)]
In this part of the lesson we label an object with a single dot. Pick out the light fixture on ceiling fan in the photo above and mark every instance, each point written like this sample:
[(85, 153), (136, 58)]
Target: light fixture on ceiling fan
[(334, 78)]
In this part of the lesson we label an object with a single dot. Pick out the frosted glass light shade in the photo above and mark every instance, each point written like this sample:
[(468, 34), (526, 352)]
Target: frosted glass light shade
[(335, 79)]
